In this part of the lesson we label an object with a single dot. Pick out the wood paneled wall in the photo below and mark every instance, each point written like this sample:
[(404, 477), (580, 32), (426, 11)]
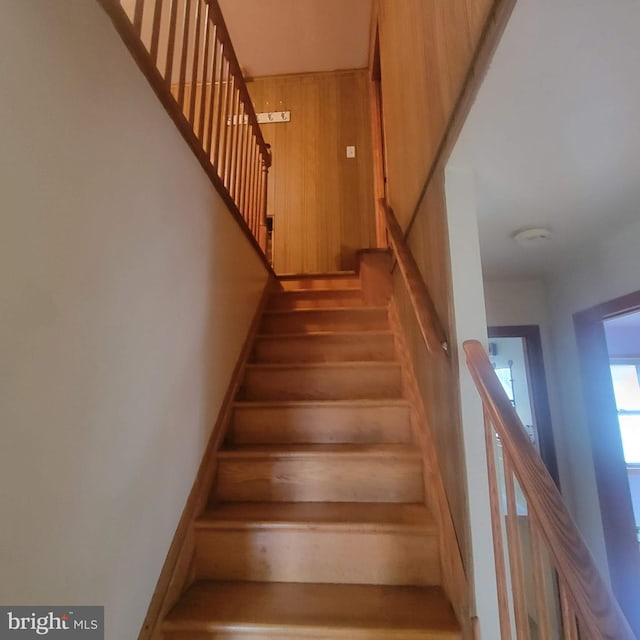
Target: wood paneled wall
[(322, 202), (432, 56), (426, 48)]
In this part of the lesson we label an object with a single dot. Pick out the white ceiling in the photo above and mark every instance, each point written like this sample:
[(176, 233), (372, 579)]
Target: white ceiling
[(273, 37), (554, 136)]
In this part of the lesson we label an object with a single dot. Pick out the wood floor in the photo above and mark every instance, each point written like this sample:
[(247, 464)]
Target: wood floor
[(316, 526)]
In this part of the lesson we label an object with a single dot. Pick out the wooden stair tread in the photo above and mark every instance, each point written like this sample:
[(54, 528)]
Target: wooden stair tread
[(364, 364), (352, 514), (326, 311), (323, 335), (319, 290), (318, 610), (346, 404), (350, 450)]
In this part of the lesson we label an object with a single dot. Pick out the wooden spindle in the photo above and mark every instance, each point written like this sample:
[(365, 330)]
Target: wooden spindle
[(220, 99), (205, 74), (230, 144), (541, 583), (256, 180), (251, 207), (155, 31), (244, 175), (515, 555), (185, 53), (237, 189), (222, 117), (228, 131), (496, 530), (196, 62), (569, 625), (226, 127), (214, 91), (171, 43), (137, 17), (235, 130)]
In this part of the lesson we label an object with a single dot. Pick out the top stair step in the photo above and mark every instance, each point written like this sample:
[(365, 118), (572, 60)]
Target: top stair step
[(315, 299), (338, 280), (316, 320)]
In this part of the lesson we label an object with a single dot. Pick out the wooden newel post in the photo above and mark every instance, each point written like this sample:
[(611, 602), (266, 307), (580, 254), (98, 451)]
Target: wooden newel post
[(262, 232)]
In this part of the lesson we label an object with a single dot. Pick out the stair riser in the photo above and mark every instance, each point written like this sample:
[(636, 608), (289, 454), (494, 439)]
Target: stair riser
[(311, 633), (346, 348), (321, 425), (335, 282), (322, 383), (320, 556), (365, 319), (315, 300), (320, 479)]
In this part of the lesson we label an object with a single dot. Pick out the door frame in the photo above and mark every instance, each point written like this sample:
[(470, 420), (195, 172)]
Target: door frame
[(530, 333), (618, 523), (377, 137)]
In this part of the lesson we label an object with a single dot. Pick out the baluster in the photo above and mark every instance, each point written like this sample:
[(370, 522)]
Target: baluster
[(541, 583), (243, 169), (215, 84), (220, 114), (233, 176), (194, 69), (185, 53), (223, 120), (569, 625), (231, 137), (171, 44), (496, 530), (257, 179), (249, 214), (205, 71), (515, 555), (228, 132), (137, 17), (237, 190), (263, 210), (155, 31)]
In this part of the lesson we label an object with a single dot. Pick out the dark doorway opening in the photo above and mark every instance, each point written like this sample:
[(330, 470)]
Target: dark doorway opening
[(522, 347)]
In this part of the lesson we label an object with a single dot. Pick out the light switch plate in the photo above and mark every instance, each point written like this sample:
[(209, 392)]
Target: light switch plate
[(351, 152)]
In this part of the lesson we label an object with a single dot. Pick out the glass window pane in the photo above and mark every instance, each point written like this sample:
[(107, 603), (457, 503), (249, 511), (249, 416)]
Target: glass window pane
[(630, 433), (626, 386)]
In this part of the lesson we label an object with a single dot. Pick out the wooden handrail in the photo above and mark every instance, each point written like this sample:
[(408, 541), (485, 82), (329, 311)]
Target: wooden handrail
[(427, 317), (588, 599), (220, 124)]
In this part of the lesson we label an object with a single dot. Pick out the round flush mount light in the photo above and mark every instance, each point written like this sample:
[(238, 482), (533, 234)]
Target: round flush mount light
[(531, 236)]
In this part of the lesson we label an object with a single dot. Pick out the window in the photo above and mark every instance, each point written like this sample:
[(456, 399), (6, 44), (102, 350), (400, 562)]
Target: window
[(626, 387)]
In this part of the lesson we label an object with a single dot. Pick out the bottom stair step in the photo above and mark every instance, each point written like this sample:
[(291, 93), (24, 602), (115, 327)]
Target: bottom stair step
[(254, 611)]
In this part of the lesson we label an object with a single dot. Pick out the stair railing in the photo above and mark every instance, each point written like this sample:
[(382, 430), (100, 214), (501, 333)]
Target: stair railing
[(184, 49), (430, 325), (548, 583)]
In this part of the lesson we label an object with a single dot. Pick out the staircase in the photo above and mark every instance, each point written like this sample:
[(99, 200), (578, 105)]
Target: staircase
[(316, 525)]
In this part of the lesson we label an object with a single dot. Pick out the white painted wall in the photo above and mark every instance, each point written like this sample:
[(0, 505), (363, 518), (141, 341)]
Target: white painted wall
[(470, 323), (126, 292)]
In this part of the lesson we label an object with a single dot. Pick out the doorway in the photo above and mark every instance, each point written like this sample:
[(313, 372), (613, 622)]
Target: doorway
[(516, 354), (596, 330)]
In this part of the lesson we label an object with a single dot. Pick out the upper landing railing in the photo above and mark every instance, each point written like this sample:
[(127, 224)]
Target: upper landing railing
[(183, 48)]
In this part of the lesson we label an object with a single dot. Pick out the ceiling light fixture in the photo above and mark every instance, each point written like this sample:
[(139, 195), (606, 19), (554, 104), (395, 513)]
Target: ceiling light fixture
[(531, 236)]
